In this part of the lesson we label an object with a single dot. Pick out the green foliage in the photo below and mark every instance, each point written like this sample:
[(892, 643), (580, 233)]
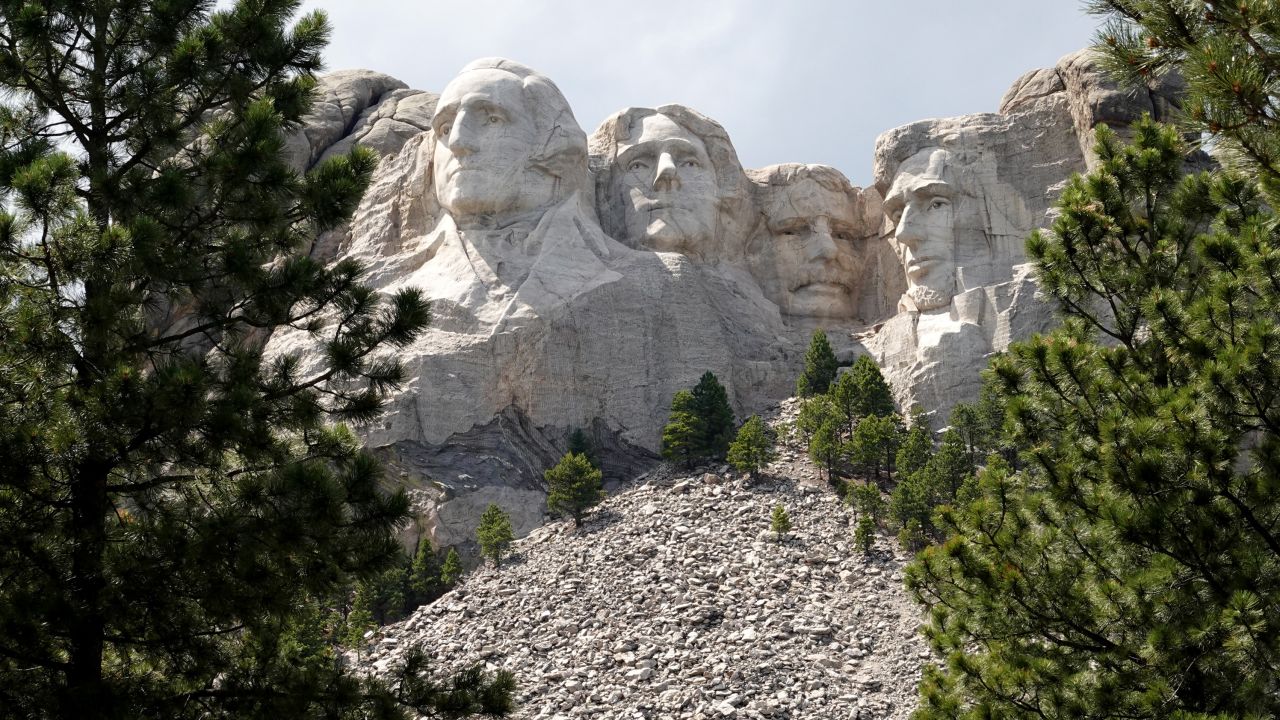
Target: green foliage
[(359, 622), (752, 449), (172, 504), (711, 405), (874, 444), (864, 536), (825, 447), (1227, 57), (573, 487), (451, 570), (385, 596), (819, 367), (814, 413), (494, 532), (580, 444), (862, 391), (868, 502), (701, 423), (683, 433), (916, 447), (779, 522), (425, 584), (1128, 566)]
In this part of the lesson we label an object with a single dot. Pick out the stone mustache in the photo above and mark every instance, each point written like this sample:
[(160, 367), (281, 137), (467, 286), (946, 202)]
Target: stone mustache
[(579, 281)]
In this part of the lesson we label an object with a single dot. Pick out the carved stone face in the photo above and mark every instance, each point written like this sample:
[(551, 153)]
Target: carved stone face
[(667, 186), (812, 230), (485, 135), (919, 204)]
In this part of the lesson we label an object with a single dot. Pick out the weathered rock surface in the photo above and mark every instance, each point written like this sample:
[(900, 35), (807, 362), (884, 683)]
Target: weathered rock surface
[(580, 282), (675, 601)]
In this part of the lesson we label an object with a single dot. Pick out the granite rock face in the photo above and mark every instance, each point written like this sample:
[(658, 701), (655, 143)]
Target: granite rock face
[(579, 281)]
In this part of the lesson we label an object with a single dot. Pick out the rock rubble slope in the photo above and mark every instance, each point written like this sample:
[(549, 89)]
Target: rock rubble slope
[(675, 601)]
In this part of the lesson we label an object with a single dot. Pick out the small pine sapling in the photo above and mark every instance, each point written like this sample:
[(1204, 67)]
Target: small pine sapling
[(780, 524), (451, 571), (494, 533)]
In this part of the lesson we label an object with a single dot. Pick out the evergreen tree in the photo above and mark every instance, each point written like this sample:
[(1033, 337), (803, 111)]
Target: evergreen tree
[(779, 522), (916, 448), (825, 447), (580, 444), (424, 576), (451, 570), (868, 502), (170, 499), (683, 433), (1228, 58), (711, 405), (1128, 567), (814, 413), (864, 536), (573, 487), (819, 367), (752, 449), (875, 443), (494, 532), (866, 393)]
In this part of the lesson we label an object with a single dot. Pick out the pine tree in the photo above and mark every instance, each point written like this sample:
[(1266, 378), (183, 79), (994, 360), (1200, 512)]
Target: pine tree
[(779, 522), (573, 487), (867, 502), (864, 536), (1128, 567), (916, 448), (451, 570), (819, 367), (170, 498), (424, 575), (711, 405), (875, 443), (683, 433), (814, 412), (752, 449), (862, 391), (825, 447), (580, 444), (494, 532)]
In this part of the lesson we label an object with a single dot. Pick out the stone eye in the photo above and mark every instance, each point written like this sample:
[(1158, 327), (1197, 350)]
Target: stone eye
[(938, 203), (444, 130), (690, 164), (638, 165), (495, 119)]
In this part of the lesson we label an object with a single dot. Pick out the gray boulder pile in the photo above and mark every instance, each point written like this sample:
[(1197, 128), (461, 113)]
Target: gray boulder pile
[(674, 600)]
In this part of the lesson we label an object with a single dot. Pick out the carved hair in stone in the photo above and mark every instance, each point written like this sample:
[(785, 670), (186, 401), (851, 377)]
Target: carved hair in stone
[(669, 179), (504, 145), (805, 254)]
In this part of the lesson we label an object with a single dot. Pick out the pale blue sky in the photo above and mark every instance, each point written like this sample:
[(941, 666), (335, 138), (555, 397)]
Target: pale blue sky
[(791, 80)]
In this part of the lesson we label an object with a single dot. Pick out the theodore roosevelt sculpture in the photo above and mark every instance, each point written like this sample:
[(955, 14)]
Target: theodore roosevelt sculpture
[(804, 255)]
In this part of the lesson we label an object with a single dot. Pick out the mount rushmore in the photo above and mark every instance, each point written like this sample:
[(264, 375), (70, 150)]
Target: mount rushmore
[(579, 281)]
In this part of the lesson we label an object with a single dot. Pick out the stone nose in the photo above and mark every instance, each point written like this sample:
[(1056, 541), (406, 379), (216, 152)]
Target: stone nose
[(461, 138), (821, 245), (665, 176), (910, 230)]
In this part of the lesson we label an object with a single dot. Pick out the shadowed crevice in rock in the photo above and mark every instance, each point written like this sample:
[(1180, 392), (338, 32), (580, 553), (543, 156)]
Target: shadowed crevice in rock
[(500, 462)]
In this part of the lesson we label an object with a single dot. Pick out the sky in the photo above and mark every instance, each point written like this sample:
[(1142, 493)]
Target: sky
[(810, 81)]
